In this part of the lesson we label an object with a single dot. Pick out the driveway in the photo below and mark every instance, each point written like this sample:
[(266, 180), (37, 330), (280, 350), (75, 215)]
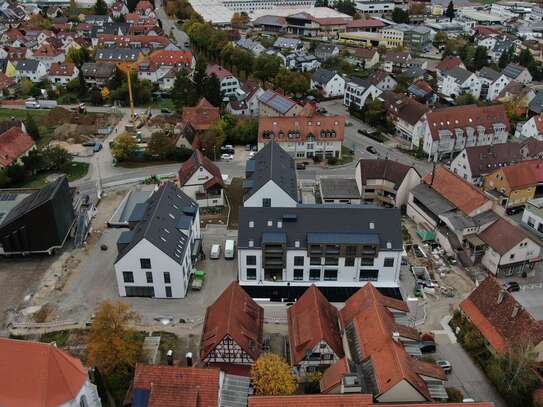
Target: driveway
[(168, 26), (466, 376)]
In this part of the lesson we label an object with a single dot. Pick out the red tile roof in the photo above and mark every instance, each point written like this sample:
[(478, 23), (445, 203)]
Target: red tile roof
[(449, 62), (502, 236), (366, 23), (365, 296), (234, 314), (333, 376), (457, 191), (201, 116), (524, 174), (484, 159), (36, 374), (218, 71), (312, 320), (58, 69), (13, 144), (171, 58), (333, 21), (321, 127), (462, 117), (538, 121), (46, 50), (170, 386), (192, 165), (495, 320), (144, 5), (317, 400)]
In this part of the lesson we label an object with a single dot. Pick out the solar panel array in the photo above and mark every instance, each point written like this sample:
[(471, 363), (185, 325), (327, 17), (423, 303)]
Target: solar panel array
[(7, 197)]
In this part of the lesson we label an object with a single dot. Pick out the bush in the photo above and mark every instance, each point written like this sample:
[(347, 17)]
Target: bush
[(332, 161), (455, 395), (312, 385)]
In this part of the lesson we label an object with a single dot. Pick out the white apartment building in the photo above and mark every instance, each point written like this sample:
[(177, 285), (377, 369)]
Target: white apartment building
[(250, 6), (458, 81), (374, 7), (532, 128), (492, 83), (358, 90), (155, 256), (229, 83), (532, 217), (330, 83), (339, 248)]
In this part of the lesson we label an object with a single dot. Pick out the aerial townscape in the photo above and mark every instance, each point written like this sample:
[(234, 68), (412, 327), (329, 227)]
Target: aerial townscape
[(271, 203)]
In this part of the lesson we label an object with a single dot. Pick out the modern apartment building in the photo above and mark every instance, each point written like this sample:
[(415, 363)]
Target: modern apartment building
[(339, 248)]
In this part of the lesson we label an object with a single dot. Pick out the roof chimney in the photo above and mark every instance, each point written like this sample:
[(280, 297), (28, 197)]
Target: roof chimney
[(516, 309), (501, 295), (396, 336)]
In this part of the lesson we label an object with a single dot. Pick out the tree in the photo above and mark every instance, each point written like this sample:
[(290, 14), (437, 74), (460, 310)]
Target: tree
[(112, 344), (480, 59), (184, 91), (31, 127), (450, 12), (417, 9), (526, 58), (291, 82), (100, 8), (212, 90), (404, 82), (4, 179), (34, 161), (346, 7), (211, 141), (374, 112), (200, 75), (440, 38), (131, 5), (78, 56), (25, 86), (125, 147), (58, 158), (400, 16), (160, 146), (16, 173), (506, 57), (465, 99), (272, 376), (239, 20), (266, 67)]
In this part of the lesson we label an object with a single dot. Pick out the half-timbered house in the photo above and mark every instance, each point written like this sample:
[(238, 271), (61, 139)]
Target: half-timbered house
[(232, 332)]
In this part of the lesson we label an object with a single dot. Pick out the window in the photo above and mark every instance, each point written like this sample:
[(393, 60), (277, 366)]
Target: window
[(298, 274), (128, 277), (168, 292), (251, 260), (145, 263), (251, 274), (298, 260), (531, 222), (330, 275), (167, 279), (315, 274), (367, 261), (331, 261), (349, 261), (512, 256), (389, 262), (368, 275), (315, 261), (149, 276), (266, 202), (83, 401)]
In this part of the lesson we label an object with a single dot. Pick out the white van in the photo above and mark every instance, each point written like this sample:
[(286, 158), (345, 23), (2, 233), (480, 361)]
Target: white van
[(215, 252), (229, 249)]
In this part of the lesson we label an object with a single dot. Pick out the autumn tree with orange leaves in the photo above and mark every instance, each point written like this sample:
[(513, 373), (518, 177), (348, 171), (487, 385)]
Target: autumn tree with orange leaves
[(112, 343), (272, 376)]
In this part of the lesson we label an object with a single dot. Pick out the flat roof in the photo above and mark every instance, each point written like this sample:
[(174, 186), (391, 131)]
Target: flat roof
[(122, 213), (339, 188), (317, 12), (213, 11)]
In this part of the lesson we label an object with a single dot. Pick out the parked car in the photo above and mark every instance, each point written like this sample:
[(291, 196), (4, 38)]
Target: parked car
[(89, 143), (512, 286), (254, 148), (428, 347), (371, 149), (97, 147), (445, 365), (300, 166), (165, 110), (215, 252), (515, 210), (247, 147), (229, 249), (251, 155), (227, 157)]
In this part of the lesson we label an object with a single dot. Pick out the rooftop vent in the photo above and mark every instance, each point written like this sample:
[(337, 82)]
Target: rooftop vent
[(516, 310), (501, 296), (289, 217), (372, 225), (251, 224)]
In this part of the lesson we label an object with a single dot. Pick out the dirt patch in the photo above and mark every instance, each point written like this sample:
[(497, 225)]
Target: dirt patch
[(44, 314), (75, 149), (189, 343), (164, 120), (234, 191)]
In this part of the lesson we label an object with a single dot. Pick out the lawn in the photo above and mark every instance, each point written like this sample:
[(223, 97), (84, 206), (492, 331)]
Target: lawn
[(46, 132), (347, 156), (165, 103), (77, 171)]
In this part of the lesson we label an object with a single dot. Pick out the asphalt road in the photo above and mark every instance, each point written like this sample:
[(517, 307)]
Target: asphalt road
[(168, 26)]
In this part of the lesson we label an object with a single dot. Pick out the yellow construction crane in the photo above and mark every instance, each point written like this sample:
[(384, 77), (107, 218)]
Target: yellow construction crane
[(132, 115)]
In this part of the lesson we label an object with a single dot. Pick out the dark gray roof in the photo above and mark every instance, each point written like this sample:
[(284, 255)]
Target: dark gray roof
[(489, 73), (339, 188), (536, 104), (364, 83), (35, 200), (513, 71), (98, 70), (322, 223), (167, 212), (414, 72), (323, 76), (117, 54), (459, 74), (458, 220), (431, 199), (485, 217), (27, 65), (276, 101), (275, 164), (110, 28)]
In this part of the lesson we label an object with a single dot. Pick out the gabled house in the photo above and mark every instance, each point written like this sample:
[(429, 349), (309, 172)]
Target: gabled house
[(448, 63), (501, 319), (422, 92), (250, 45), (271, 103), (202, 181), (156, 385), (325, 51), (314, 336), (232, 332), (381, 360), (62, 73), (357, 92), (229, 83), (383, 80), (98, 73), (57, 378), (270, 178), (302, 61), (249, 105), (290, 44), (48, 55), (340, 400), (15, 143), (532, 128), (396, 61), (118, 56), (404, 112), (366, 58), (459, 81), (155, 256), (451, 129), (492, 83), (474, 163), (327, 82), (197, 119), (385, 182), (30, 69), (517, 73), (159, 64)]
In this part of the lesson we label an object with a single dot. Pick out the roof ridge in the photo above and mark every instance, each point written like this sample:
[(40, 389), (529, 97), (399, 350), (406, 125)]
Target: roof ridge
[(315, 295)]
